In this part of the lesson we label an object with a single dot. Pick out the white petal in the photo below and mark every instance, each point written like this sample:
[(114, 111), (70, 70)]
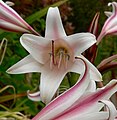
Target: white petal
[(77, 66), (107, 13), (26, 65), (37, 46), (94, 116), (80, 42), (94, 73), (92, 86), (34, 96), (112, 109), (54, 27), (50, 81), (9, 3), (65, 100)]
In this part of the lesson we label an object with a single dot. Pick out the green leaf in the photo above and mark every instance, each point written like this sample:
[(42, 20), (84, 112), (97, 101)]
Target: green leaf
[(10, 97), (42, 12)]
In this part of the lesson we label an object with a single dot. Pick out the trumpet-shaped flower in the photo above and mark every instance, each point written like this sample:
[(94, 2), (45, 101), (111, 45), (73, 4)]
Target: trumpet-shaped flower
[(11, 21), (54, 56), (79, 104), (110, 26)]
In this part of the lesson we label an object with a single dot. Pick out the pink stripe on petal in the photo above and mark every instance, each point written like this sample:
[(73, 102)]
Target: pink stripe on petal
[(87, 103), (109, 24), (8, 13), (11, 27), (4, 20), (2, 16), (114, 14), (5, 8), (61, 103), (13, 13), (90, 116)]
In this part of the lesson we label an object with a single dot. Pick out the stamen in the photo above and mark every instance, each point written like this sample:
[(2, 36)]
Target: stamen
[(58, 56), (61, 53), (51, 61), (67, 57)]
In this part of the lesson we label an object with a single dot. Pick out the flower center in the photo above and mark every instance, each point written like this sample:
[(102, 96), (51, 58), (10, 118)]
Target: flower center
[(59, 55)]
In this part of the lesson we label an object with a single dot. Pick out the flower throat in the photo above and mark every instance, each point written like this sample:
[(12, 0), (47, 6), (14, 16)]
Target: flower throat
[(58, 56)]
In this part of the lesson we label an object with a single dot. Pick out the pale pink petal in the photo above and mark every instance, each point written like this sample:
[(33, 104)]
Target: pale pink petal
[(111, 108), (26, 65), (89, 116), (80, 42), (54, 27), (53, 77), (37, 46), (34, 96), (11, 27), (111, 21), (89, 102), (112, 31), (62, 102), (94, 73)]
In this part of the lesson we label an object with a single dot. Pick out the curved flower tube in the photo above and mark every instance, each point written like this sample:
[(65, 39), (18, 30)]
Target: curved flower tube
[(83, 104), (11, 21), (110, 26), (111, 108), (54, 55)]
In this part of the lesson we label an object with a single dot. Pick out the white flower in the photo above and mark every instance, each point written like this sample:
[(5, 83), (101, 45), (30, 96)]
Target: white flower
[(54, 56)]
